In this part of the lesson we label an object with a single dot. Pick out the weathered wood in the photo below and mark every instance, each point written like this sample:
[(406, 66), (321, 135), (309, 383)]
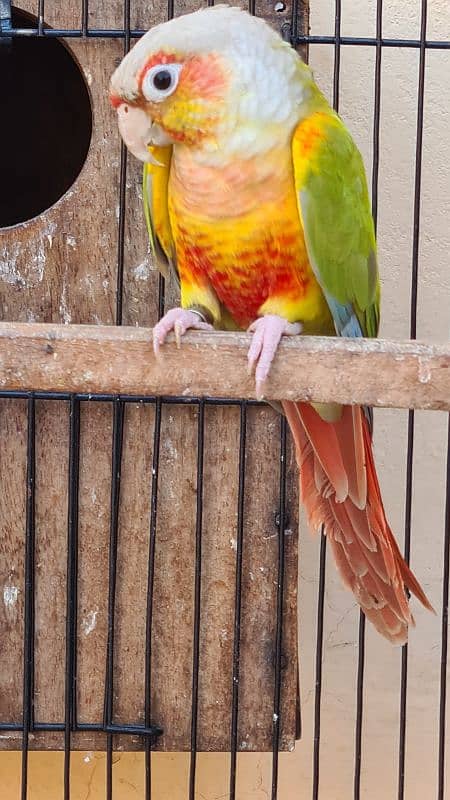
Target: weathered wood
[(173, 593), (260, 577), (120, 360), (59, 267), (13, 436), (52, 440), (93, 534)]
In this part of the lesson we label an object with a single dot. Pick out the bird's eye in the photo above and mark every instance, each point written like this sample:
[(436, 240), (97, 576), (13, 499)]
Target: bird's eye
[(160, 81)]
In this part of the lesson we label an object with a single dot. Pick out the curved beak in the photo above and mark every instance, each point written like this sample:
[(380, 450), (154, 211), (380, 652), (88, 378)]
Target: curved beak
[(139, 132)]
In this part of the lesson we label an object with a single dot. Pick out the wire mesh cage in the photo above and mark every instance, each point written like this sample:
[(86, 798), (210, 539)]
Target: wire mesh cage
[(114, 451)]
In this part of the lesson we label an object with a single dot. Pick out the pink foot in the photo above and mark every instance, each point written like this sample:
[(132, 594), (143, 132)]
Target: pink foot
[(267, 332), (178, 320)]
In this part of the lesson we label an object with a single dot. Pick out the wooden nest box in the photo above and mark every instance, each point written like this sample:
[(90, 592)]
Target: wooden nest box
[(104, 499)]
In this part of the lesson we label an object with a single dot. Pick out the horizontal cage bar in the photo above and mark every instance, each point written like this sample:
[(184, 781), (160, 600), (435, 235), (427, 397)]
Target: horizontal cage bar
[(136, 33)]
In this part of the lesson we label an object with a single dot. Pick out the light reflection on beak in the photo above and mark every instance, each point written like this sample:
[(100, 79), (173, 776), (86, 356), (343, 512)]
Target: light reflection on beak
[(139, 133)]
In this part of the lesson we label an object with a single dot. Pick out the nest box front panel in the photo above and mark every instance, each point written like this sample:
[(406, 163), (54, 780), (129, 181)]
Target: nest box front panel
[(86, 259)]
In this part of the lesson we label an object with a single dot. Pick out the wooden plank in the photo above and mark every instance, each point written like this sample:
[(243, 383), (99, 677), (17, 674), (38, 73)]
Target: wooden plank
[(104, 359), (220, 506), (13, 436), (132, 558), (174, 577), (93, 534), (260, 578), (52, 449), (58, 267)]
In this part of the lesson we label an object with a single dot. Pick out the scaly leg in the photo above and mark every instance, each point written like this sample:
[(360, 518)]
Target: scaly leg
[(267, 332), (178, 320)]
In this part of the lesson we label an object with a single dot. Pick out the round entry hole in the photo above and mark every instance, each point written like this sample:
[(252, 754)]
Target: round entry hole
[(46, 123)]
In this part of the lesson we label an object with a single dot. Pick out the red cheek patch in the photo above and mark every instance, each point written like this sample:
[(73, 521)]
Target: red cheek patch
[(205, 75), (115, 101)]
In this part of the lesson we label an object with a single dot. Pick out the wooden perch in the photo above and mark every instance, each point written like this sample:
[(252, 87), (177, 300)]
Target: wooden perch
[(106, 359)]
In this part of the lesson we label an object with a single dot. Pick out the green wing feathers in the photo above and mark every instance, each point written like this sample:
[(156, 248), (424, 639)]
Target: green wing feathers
[(335, 211)]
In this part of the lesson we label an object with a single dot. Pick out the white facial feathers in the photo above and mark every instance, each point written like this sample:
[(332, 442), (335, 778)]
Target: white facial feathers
[(266, 81), (254, 49)]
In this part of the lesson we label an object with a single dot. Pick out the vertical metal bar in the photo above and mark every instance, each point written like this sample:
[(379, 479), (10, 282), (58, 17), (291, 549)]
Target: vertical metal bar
[(118, 424), (293, 33), (121, 236), (418, 168), (359, 706), (41, 12), (126, 25), (319, 654), (323, 543), (72, 570), (238, 601), (152, 543), (276, 718), (28, 650), (150, 586), (118, 415), (413, 332), (444, 635), (375, 176), (197, 598), (122, 189), (84, 17), (377, 113), (404, 656), (162, 282), (161, 296), (337, 54)]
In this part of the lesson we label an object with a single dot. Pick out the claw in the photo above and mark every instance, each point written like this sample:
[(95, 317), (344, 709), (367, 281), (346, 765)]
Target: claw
[(267, 332), (178, 333), (178, 320)]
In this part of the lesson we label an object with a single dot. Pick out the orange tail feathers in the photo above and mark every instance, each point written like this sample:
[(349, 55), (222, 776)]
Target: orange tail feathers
[(339, 489)]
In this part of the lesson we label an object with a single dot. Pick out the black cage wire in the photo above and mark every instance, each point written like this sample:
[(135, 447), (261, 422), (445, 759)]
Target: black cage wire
[(148, 731)]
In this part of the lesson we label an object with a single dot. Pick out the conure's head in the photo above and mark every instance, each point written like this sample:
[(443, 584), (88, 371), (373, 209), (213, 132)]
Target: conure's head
[(212, 79)]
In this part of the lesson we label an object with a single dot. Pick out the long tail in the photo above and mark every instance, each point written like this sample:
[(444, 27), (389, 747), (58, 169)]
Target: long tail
[(339, 489)]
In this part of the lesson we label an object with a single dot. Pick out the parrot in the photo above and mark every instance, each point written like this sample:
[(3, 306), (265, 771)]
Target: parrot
[(256, 199)]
